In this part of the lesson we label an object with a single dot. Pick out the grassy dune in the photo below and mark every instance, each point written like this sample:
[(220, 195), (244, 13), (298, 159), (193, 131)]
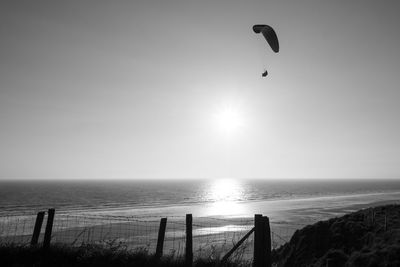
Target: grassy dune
[(369, 237)]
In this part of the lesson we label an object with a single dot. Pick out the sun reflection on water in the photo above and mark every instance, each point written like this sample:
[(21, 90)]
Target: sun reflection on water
[(225, 189), (225, 194)]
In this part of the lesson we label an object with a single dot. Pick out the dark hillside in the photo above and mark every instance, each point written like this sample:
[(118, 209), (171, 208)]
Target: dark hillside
[(369, 237)]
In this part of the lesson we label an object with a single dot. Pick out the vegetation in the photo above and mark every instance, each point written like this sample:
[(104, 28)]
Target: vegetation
[(93, 255), (369, 237)]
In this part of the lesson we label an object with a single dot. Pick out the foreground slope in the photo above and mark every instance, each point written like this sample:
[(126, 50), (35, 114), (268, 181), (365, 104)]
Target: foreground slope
[(369, 237)]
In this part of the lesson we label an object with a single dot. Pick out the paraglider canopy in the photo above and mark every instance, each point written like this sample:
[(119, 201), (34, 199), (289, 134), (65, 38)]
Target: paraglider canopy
[(269, 35)]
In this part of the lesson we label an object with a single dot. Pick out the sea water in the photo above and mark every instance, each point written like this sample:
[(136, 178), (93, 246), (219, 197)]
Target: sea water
[(151, 196)]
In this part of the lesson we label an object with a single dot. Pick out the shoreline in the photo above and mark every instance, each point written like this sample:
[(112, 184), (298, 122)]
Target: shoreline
[(247, 209)]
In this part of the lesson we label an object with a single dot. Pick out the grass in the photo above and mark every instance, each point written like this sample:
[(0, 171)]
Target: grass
[(94, 255), (369, 237)]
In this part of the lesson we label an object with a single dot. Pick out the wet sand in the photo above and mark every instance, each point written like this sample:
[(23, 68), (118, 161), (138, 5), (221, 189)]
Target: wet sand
[(297, 211)]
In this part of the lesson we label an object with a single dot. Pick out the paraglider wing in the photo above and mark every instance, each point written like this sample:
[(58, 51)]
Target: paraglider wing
[(271, 38), (258, 27), (269, 35)]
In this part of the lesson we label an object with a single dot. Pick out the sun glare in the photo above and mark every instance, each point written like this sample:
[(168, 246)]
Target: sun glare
[(229, 119), (225, 193), (225, 189)]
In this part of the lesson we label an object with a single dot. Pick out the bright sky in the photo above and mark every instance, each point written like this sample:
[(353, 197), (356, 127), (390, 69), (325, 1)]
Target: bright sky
[(173, 89)]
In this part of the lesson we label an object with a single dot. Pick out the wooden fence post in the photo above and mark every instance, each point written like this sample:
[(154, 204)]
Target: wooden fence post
[(373, 217), (161, 235), (267, 242), (49, 227), (385, 225), (38, 227), (258, 225), (262, 242), (189, 241)]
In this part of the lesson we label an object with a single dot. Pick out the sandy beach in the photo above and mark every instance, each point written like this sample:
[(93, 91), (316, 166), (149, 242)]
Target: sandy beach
[(299, 211)]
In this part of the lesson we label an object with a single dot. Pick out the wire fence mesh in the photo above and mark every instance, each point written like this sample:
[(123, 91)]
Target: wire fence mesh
[(17, 229), (212, 237)]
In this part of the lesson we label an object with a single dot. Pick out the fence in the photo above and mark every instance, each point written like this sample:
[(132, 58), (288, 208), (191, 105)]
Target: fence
[(199, 237)]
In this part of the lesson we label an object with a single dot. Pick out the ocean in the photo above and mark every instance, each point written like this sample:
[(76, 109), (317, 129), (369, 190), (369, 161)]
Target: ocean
[(18, 197)]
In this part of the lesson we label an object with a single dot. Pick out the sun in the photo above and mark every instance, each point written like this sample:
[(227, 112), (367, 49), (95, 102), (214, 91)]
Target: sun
[(229, 119)]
